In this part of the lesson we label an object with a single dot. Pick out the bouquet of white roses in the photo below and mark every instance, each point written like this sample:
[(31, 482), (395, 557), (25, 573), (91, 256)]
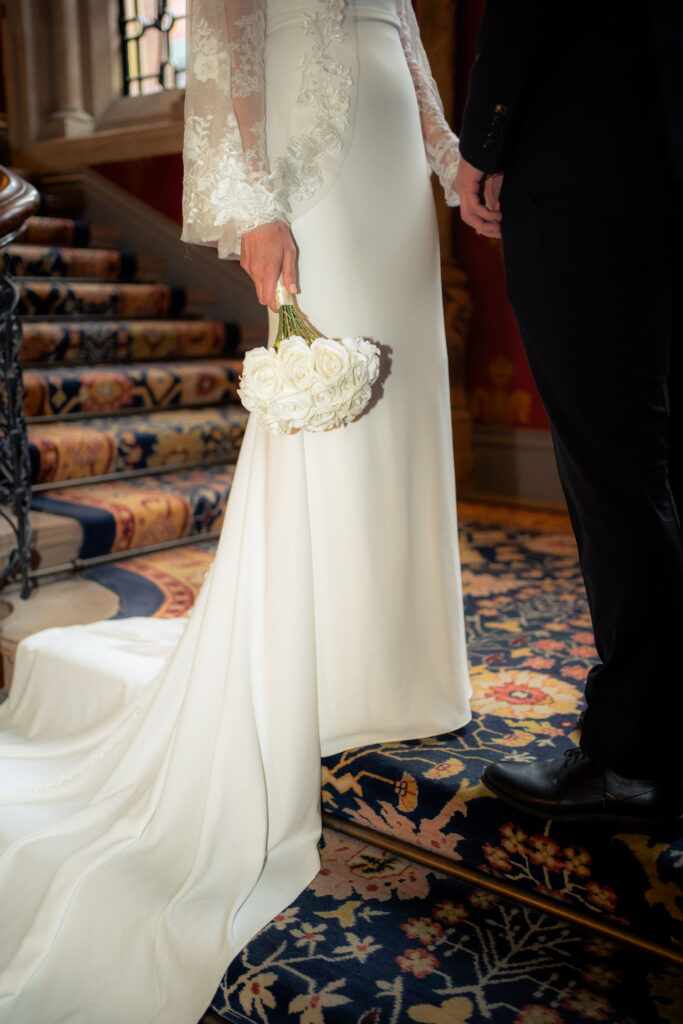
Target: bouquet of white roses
[(305, 382)]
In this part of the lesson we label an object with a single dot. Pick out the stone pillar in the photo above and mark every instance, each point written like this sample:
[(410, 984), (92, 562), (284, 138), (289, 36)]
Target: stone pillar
[(69, 117)]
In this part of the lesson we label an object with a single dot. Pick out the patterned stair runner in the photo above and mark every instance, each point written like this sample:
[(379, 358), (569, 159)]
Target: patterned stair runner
[(73, 451), (123, 515), (376, 939), (97, 342), (79, 389), (55, 231), (104, 341), (48, 261), (38, 297)]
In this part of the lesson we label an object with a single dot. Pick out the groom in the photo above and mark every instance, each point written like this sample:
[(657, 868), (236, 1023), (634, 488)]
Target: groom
[(578, 110)]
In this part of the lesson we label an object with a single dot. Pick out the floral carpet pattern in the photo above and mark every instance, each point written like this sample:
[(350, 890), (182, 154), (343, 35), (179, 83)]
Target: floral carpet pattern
[(52, 261), (61, 298), (122, 515), (107, 341), (62, 392), (380, 940), (530, 647), (164, 585), (55, 231), (75, 451)]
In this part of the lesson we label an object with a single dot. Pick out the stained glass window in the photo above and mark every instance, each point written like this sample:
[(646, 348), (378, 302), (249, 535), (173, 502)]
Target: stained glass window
[(153, 45)]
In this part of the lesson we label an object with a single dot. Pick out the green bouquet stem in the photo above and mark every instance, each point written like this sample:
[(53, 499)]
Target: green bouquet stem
[(291, 321)]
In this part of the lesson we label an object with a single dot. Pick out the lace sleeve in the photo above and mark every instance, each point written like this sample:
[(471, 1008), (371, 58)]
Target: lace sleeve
[(228, 188), (441, 144)]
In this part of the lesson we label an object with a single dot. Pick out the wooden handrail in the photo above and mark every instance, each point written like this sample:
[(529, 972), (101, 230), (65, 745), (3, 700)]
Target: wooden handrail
[(18, 201)]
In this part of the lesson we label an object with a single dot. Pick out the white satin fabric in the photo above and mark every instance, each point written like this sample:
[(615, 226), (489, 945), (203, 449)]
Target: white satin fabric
[(159, 780)]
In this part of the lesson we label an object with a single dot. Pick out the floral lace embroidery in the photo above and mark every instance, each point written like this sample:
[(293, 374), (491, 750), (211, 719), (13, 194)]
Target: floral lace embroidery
[(441, 145), (325, 87), (246, 55), (229, 186)]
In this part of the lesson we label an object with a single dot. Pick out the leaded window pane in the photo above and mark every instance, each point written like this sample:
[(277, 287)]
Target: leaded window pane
[(153, 45)]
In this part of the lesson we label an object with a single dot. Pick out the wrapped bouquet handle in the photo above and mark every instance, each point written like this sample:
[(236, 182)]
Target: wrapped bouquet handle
[(305, 381)]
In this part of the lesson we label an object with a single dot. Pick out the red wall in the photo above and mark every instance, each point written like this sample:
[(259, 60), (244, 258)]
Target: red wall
[(157, 180), (501, 389)]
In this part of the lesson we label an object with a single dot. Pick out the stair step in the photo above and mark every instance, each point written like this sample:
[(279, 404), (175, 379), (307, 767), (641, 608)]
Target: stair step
[(104, 341), (57, 298), (123, 515), (55, 540), (377, 939), (530, 648), (162, 585), (99, 447), (65, 262), (142, 386), (55, 231), (63, 199), (69, 602)]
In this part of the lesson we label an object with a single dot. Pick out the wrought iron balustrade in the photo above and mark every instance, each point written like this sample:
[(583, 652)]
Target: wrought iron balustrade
[(18, 200)]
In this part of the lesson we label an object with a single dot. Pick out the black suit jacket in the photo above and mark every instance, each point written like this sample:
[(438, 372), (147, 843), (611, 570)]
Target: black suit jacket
[(576, 94)]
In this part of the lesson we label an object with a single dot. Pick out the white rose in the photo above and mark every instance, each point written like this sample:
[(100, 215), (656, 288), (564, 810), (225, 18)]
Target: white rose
[(330, 360), (271, 424), (261, 374), (370, 351), (323, 396), (296, 361), (322, 417), (363, 352), (291, 410), (249, 400), (357, 376), (357, 403)]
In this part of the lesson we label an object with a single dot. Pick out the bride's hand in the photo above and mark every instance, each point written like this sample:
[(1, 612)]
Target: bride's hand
[(468, 184), (266, 253)]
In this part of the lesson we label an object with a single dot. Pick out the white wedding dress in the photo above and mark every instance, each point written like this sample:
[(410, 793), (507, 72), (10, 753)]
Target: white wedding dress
[(159, 779)]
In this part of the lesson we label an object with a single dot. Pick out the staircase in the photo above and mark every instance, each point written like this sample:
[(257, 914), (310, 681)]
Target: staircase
[(436, 902), (134, 424)]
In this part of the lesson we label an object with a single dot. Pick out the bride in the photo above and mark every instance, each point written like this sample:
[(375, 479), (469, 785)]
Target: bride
[(159, 779)]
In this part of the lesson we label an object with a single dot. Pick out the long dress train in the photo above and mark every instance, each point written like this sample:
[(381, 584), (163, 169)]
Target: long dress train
[(159, 780)]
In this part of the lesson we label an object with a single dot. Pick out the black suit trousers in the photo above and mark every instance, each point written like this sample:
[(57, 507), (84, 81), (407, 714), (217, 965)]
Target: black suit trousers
[(595, 279)]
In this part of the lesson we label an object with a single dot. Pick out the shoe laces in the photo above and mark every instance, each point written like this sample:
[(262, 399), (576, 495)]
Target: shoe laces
[(572, 756)]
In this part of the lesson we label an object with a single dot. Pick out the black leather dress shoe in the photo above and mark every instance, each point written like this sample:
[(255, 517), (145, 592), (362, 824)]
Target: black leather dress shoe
[(576, 788)]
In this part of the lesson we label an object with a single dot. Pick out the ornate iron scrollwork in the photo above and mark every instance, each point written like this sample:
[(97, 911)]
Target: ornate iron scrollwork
[(15, 467)]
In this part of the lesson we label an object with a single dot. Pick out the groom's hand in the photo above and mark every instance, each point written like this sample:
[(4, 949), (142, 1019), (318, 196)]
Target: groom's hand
[(468, 184)]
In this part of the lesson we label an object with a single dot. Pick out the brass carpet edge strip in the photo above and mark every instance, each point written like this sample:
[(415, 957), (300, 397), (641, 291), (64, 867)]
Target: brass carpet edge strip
[(78, 564), (437, 862), (131, 474)]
